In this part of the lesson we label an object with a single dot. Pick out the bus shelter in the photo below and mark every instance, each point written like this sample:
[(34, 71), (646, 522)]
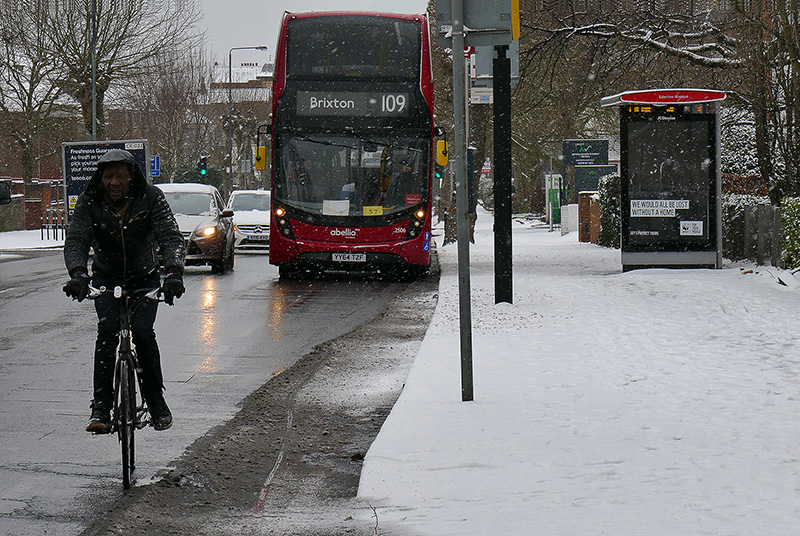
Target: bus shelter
[(670, 178)]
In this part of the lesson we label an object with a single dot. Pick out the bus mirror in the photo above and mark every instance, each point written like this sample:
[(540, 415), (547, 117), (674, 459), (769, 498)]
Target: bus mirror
[(261, 158), (441, 152)]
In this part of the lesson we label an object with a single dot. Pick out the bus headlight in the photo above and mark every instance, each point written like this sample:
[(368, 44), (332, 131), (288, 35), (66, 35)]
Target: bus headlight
[(420, 214), (284, 226)]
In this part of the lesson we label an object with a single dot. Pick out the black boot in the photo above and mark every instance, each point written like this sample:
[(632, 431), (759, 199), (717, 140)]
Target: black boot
[(100, 420), (160, 415)]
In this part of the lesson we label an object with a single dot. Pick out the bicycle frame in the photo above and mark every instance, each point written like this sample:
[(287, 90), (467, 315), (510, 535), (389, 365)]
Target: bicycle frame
[(130, 410)]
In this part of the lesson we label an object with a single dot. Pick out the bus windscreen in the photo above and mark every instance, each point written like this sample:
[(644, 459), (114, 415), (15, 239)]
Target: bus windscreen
[(340, 175)]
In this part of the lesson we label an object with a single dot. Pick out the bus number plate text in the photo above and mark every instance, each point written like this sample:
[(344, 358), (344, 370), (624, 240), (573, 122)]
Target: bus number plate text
[(349, 257)]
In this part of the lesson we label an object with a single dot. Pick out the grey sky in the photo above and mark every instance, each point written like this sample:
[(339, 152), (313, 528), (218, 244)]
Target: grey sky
[(242, 23)]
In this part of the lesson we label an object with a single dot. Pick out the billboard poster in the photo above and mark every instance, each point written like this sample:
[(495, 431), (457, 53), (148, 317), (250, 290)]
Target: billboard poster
[(79, 162), (585, 152), (670, 181), (578, 153)]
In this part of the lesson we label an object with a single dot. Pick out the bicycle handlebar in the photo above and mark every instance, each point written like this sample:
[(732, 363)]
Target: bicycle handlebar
[(155, 294)]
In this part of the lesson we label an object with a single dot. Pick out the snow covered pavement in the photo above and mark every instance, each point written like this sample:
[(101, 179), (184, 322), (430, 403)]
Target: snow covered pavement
[(654, 402)]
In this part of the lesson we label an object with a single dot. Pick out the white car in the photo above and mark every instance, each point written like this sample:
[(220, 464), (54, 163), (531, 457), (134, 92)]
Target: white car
[(251, 214)]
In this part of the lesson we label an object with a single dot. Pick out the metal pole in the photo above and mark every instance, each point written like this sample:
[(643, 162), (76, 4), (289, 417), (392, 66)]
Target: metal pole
[(229, 169), (462, 199), (94, 70), (502, 178)]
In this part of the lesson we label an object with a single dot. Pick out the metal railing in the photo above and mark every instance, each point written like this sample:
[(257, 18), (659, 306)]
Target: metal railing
[(54, 221)]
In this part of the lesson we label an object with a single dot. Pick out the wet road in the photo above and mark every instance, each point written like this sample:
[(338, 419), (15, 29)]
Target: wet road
[(227, 336)]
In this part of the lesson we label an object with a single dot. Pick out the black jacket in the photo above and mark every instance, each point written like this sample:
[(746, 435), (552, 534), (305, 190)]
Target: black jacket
[(125, 248)]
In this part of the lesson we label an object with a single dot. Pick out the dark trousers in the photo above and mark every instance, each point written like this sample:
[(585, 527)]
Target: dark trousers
[(144, 337)]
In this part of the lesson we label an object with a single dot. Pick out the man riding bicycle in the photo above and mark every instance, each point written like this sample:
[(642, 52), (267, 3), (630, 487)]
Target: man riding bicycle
[(127, 221)]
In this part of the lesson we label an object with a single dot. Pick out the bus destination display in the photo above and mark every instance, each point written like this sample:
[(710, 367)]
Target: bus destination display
[(322, 103)]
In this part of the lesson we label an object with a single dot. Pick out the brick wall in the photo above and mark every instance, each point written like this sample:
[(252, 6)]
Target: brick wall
[(12, 216), (29, 202)]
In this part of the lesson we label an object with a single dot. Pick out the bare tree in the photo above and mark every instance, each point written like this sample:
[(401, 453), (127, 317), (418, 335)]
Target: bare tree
[(751, 46), (174, 113), (29, 94), (130, 36)]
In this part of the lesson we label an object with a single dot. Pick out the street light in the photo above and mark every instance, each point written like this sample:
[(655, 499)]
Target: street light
[(229, 175)]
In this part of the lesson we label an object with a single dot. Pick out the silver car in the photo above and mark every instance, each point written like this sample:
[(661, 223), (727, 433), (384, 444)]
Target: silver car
[(205, 223), (251, 215)]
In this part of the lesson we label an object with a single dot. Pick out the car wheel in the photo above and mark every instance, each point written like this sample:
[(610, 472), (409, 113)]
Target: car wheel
[(231, 258)]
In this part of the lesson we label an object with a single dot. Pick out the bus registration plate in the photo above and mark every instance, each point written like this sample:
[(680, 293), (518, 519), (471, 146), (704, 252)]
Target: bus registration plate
[(349, 257)]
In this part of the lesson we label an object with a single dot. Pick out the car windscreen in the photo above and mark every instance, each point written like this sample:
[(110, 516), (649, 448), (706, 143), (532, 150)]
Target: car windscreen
[(190, 203), (250, 202)]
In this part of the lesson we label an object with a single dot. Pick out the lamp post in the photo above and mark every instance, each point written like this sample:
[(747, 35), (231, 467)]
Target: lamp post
[(229, 174)]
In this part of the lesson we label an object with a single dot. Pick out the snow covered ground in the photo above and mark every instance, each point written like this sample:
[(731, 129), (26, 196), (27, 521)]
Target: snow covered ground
[(27, 240), (655, 402)]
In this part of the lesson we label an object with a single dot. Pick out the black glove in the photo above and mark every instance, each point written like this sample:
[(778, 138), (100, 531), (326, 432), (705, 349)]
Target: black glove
[(77, 288), (172, 288)]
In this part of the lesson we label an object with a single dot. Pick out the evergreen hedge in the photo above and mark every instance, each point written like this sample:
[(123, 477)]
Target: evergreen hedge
[(609, 211), (790, 226)]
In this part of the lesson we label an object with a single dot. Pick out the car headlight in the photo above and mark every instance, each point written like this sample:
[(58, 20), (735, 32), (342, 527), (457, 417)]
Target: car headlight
[(207, 231)]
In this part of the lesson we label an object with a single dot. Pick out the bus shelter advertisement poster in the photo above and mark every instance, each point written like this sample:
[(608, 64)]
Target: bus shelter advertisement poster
[(670, 181)]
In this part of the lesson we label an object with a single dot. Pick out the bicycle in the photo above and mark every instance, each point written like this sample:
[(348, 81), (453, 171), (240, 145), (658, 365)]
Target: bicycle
[(129, 412)]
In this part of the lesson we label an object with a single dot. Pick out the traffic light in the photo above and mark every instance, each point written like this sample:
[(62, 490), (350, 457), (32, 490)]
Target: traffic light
[(438, 172), (202, 166)]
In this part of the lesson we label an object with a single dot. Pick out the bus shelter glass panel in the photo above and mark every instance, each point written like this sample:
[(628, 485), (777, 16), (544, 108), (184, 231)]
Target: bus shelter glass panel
[(669, 178)]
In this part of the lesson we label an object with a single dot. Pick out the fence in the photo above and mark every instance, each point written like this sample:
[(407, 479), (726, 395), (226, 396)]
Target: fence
[(53, 221), (753, 232)]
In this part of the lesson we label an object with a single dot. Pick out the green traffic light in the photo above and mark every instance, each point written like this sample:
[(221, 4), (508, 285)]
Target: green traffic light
[(203, 171)]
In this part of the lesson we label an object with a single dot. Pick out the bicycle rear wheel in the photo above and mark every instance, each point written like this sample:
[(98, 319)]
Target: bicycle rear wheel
[(126, 423)]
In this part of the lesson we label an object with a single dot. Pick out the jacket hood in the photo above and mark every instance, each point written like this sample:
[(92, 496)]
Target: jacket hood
[(117, 156)]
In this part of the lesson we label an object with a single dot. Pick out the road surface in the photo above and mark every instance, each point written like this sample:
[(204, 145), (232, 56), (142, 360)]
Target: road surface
[(230, 351)]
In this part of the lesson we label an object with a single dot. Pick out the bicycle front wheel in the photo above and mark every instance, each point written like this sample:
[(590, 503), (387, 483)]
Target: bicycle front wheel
[(126, 424)]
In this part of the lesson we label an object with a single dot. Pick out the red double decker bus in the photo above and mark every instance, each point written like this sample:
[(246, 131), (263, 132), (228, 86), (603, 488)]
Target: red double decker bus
[(352, 137)]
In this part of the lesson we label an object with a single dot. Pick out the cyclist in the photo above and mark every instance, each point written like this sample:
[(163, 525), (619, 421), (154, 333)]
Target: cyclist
[(127, 221)]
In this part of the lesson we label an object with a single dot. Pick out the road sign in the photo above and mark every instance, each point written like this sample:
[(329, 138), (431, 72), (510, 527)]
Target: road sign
[(482, 75), (487, 22), (665, 97), (155, 166), (481, 95)]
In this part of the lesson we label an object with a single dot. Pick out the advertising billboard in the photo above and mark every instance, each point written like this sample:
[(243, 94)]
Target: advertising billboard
[(579, 154), (79, 162)]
